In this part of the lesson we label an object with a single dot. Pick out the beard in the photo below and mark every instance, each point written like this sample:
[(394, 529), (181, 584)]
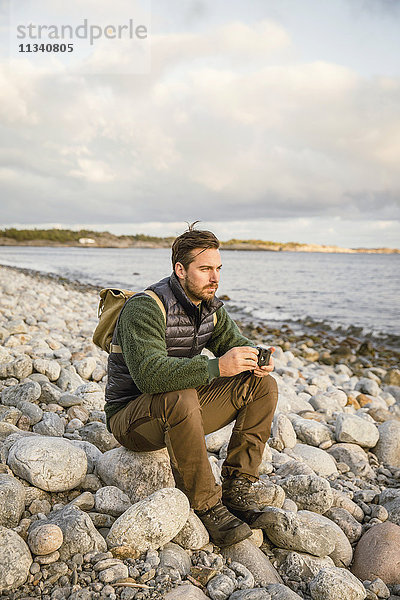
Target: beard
[(200, 293)]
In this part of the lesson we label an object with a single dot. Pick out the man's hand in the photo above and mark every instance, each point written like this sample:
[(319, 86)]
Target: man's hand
[(263, 371), (237, 360)]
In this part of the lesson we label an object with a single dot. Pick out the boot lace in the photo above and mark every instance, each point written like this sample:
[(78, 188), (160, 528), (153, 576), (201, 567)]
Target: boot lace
[(219, 514), (241, 490)]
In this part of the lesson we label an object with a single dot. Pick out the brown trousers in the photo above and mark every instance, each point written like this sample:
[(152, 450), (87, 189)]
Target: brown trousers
[(179, 420)]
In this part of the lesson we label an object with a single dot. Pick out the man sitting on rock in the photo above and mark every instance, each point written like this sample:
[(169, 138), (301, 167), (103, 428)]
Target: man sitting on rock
[(162, 392)]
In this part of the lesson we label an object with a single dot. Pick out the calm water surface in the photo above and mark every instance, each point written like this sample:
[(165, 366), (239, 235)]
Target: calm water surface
[(341, 289)]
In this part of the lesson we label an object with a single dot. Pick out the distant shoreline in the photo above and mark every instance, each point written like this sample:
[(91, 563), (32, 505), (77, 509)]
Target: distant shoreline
[(246, 246)]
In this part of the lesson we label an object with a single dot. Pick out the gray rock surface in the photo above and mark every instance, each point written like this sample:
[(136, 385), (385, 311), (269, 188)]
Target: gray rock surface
[(50, 463), (253, 594), (320, 461), (97, 434), (186, 591), (347, 523), (309, 492), (152, 522), (279, 591), (138, 474), (24, 392), (336, 584), (92, 453), (356, 430), (79, 533), (193, 534), (111, 501), (309, 431), (302, 567), (255, 560), (282, 430), (15, 560), (387, 449), (220, 587), (215, 440), (175, 557), (92, 395), (12, 500), (353, 456), (51, 425), (390, 499)]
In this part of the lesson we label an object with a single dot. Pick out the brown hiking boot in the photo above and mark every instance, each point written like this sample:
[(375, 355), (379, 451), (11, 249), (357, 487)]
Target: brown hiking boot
[(224, 528), (239, 497)]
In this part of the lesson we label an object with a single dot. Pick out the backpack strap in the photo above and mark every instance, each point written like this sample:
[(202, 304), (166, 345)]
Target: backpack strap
[(115, 348)]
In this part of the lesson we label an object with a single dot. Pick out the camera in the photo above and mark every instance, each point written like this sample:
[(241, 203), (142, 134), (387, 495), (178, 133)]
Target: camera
[(264, 354)]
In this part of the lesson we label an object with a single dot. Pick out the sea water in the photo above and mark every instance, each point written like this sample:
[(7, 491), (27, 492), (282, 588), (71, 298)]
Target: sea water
[(341, 290)]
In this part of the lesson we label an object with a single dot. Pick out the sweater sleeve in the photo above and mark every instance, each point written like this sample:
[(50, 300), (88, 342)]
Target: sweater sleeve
[(226, 335), (141, 335)]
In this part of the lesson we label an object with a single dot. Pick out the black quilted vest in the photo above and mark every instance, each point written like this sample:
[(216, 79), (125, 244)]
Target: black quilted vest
[(186, 334)]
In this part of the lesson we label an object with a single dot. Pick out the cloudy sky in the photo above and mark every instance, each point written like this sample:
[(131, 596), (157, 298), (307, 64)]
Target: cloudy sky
[(271, 119)]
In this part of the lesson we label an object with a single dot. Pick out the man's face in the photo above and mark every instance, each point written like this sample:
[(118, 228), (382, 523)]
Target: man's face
[(200, 279)]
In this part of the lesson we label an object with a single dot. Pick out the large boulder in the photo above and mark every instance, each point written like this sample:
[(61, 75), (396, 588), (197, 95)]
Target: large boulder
[(152, 522), (15, 560), (138, 474), (377, 554), (12, 500), (50, 463), (79, 533)]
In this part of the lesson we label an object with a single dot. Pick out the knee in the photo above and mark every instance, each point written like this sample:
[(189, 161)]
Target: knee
[(181, 403), (269, 387)]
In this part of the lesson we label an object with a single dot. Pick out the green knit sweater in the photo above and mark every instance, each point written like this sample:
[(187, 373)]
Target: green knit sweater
[(141, 335)]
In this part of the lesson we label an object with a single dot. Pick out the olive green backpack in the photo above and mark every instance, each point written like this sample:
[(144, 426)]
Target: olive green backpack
[(111, 303)]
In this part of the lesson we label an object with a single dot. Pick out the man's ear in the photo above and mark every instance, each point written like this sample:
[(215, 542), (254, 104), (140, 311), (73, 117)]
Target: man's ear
[(180, 270)]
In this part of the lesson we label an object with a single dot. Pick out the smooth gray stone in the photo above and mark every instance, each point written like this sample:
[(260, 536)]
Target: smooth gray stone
[(15, 560), (282, 592), (97, 434), (175, 557), (52, 464), (12, 500), (51, 424), (255, 560), (33, 411), (252, 594)]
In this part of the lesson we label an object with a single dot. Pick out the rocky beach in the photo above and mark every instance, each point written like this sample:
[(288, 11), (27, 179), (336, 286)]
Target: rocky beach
[(82, 518)]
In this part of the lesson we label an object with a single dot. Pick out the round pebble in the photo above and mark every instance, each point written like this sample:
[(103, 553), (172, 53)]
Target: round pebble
[(45, 539)]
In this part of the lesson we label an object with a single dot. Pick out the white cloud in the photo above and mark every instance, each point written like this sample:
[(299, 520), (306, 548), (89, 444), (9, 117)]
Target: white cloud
[(227, 123)]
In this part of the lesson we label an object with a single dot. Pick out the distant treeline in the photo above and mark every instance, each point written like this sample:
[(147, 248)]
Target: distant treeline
[(66, 235)]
